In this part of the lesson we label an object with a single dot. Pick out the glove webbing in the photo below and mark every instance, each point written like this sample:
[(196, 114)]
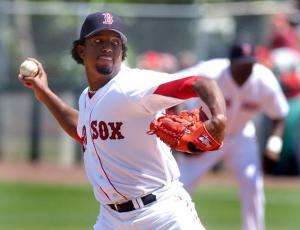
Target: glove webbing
[(165, 132)]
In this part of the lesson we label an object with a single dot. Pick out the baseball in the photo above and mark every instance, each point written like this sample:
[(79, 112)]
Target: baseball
[(28, 68)]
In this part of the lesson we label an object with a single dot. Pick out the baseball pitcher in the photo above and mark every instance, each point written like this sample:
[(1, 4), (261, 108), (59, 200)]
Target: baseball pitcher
[(121, 126)]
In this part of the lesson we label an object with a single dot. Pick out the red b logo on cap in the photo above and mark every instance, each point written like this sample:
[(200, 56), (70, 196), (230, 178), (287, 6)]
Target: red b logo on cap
[(108, 19), (246, 48)]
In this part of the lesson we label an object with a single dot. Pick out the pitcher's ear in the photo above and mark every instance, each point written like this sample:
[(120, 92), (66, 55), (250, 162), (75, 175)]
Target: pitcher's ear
[(80, 49)]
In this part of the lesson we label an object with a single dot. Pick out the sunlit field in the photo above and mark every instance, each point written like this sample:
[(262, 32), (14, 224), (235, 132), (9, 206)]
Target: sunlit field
[(28, 206)]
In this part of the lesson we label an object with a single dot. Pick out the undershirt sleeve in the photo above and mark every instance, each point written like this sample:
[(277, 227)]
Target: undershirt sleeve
[(181, 88), (170, 94)]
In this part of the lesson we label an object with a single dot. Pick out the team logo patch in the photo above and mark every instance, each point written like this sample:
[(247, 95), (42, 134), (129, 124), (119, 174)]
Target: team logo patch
[(246, 48), (204, 140), (186, 130), (108, 18)]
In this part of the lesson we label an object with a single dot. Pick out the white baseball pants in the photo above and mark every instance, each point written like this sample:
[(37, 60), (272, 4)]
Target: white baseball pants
[(173, 210)]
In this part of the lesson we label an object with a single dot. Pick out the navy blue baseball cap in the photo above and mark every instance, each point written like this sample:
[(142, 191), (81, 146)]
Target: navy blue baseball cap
[(99, 21), (242, 52)]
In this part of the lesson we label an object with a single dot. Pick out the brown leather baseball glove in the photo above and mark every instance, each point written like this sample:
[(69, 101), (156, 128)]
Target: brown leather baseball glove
[(185, 132)]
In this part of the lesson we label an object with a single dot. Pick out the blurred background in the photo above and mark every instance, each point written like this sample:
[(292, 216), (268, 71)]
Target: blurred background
[(163, 35)]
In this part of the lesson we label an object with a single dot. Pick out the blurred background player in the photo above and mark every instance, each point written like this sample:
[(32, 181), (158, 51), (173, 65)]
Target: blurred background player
[(248, 88)]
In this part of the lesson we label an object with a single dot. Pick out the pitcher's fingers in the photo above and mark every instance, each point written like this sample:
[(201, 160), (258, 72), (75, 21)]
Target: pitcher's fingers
[(23, 78)]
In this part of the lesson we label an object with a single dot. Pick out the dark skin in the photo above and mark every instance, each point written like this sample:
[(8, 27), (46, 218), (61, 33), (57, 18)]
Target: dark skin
[(240, 72), (102, 59)]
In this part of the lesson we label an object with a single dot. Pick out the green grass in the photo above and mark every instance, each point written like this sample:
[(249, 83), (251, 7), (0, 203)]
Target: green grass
[(33, 207), (219, 208), (26, 206)]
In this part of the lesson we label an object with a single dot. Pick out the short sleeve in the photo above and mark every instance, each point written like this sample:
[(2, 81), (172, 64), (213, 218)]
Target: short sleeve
[(157, 91)]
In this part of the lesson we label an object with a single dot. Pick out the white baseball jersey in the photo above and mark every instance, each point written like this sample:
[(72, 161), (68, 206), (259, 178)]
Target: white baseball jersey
[(122, 161), (260, 93)]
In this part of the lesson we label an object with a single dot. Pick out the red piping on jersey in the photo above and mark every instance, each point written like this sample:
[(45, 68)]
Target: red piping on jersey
[(78, 138), (103, 191), (94, 147), (99, 159), (181, 88)]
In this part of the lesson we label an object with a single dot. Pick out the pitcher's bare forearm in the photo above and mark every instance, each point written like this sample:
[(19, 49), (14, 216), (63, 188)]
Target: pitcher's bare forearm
[(277, 127), (210, 93), (65, 115)]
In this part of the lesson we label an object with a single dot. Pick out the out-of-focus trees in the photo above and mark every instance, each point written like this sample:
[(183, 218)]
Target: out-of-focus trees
[(129, 1)]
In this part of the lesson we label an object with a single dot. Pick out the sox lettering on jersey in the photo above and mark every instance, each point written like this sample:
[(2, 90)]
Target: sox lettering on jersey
[(247, 106), (103, 130), (250, 106)]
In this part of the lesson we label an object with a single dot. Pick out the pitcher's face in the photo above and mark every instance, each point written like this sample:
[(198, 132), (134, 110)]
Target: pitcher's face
[(103, 52)]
